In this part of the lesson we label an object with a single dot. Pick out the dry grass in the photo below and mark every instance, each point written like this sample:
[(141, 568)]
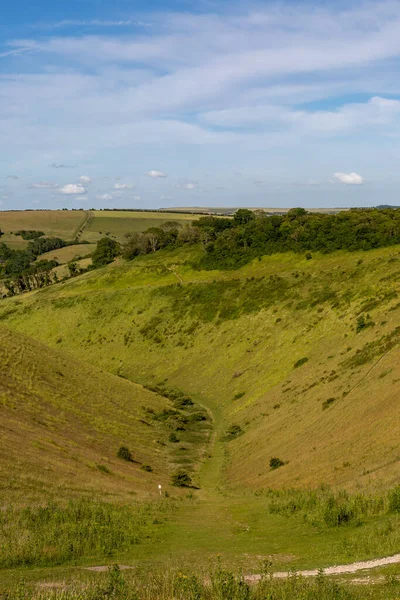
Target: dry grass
[(68, 253), (62, 419), (60, 223)]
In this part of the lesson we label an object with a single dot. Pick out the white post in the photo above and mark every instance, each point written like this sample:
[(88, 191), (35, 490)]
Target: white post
[(159, 487)]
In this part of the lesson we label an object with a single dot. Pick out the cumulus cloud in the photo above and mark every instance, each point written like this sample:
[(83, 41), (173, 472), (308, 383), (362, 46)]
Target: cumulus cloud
[(123, 186), (155, 174), (85, 179), (104, 197), (72, 189), (42, 185), (349, 178)]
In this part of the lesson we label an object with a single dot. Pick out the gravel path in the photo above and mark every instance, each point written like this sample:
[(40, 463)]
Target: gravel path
[(339, 569)]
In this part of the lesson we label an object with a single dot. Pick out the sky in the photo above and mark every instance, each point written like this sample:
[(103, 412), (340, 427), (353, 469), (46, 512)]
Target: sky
[(156, 103)]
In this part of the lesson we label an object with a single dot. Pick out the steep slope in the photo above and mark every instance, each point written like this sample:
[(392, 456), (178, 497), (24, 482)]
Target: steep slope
[(301, 354), (62, 422)]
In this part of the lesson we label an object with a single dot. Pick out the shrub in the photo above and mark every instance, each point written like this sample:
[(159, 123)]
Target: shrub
[(233, 432), (173, 438), (125, 454), (275, 463), (103, 469), (181, 479), (327, 403), (147, 468), (363, 323), (308, 256), (300, 362), (394, 499)]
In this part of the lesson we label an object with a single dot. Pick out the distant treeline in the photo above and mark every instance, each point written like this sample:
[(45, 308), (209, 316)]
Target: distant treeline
[(22, 271), (230, 243)]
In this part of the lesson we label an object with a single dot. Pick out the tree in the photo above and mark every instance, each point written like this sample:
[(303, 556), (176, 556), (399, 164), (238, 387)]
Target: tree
[(181, 479), (243, 216), (125, 454), (105, 252)]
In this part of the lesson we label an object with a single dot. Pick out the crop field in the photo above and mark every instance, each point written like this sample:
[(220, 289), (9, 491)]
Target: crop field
[(64, 224), (118, 223), (68, 253)]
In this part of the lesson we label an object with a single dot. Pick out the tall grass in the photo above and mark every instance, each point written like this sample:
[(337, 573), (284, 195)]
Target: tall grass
[(218, 585), (55, 534)]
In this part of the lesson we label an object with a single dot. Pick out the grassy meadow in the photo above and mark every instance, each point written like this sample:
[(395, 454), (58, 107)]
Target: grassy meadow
[(286, 358)]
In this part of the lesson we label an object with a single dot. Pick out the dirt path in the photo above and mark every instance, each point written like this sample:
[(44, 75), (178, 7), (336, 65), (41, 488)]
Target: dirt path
[(337, 570)]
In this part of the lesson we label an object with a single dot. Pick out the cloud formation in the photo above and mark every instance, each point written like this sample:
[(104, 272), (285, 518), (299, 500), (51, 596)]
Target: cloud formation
[(85, 179), (349, 178), (104, 197), (43, 185), (261, 88), (123, 186), (72, 189), (156, 174)]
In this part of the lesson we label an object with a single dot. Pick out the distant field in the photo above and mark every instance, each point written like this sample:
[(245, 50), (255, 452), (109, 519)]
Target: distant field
[(231, 210), (64, 255), (118, 223), (58, 223)]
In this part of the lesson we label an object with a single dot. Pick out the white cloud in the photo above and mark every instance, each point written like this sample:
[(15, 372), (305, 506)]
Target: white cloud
[(82, 198), (85, 179), (72, 189), (155, 174), (123, 186), (188, 186), (104, 197), (43, 185), (349, 178)]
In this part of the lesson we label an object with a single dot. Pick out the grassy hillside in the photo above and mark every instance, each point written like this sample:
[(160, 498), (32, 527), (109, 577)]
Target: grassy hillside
[(277, 348), (63, 421)]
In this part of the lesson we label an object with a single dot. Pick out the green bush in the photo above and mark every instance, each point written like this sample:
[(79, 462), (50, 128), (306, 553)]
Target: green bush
[(233, 432), (181, 479), (275, 463), (300, 362), (125, 454), (173, 438), (147, 468)]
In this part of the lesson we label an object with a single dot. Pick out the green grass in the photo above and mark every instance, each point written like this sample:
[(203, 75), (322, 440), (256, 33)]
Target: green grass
[(63, 421), (236, 343)]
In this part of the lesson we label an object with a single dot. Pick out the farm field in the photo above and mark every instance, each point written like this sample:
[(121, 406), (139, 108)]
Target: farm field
[(118, 223), (68, 253), (58, 223)]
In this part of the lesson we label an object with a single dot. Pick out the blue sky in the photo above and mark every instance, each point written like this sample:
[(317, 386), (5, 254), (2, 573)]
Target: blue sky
[(153, 104)]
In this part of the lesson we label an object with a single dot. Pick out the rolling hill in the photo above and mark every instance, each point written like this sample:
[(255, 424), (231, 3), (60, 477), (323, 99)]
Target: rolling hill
[(301, 355), (63, 421)]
